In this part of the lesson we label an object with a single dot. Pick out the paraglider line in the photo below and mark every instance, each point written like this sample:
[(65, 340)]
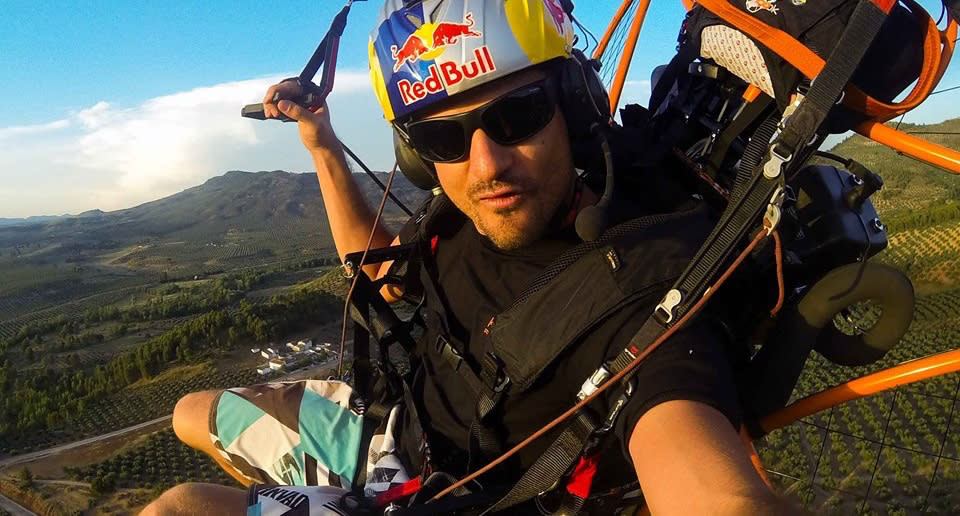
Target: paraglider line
[(358, 269)]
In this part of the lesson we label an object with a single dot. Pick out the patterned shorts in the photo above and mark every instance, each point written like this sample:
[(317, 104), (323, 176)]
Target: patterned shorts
[(307, 434)]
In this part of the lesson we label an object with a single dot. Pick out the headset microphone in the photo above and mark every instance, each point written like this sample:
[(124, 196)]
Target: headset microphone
[(592, 220)]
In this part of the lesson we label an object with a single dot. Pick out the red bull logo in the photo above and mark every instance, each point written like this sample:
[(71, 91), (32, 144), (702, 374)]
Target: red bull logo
[(557, 13), (429, 40), (446, 75)]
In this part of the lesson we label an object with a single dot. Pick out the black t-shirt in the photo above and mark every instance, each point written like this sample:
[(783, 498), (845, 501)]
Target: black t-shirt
[(480, 281)]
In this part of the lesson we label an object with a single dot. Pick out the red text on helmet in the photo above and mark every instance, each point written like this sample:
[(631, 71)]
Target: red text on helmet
[(446, 75)]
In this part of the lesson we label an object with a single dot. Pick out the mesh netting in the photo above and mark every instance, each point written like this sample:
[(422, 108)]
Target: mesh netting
[(896, 452)]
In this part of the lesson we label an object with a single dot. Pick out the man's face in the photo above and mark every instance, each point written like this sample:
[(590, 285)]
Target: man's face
[(511, 193)]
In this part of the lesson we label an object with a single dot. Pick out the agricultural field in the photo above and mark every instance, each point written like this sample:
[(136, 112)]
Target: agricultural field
[(896, 452), (137, 403), (931, 255), (158, 462)]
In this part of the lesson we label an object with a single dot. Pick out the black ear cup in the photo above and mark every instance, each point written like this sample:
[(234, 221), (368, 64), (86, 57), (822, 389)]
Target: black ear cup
[(584, 102), (418, 171), (583, 97)]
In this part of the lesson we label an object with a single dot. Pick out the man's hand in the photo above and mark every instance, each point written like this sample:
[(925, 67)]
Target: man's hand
[(350, 218), (316, 133)]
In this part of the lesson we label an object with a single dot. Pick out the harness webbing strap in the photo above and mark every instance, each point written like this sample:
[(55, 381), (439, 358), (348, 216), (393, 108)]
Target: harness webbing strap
[(797, 131), (802, 125), (484, 442), (751, 112), (552, 465), (753, 193)]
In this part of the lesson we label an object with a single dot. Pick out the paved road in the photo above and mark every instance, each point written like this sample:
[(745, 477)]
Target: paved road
[(27, 457), (14, 508)]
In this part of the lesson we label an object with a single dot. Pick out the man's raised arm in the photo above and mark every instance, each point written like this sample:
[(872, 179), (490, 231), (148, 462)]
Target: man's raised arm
[(347, 211)]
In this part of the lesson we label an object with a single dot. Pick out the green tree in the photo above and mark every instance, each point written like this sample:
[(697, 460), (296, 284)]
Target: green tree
[(103, 484), (25, 479)]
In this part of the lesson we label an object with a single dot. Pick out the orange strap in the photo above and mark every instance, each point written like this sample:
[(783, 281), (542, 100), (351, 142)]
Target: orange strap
[(937, 51), (938, 48), (884, 5)]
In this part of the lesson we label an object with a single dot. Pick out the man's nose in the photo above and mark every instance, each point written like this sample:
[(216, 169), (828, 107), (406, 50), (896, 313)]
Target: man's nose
[(488, 159)]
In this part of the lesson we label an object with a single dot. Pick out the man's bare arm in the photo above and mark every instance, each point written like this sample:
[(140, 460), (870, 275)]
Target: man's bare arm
[(689, 460), (347, 211)]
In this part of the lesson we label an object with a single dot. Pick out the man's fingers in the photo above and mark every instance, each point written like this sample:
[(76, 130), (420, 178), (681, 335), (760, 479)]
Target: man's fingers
[(269, 102), (291, 109), (283, 90)]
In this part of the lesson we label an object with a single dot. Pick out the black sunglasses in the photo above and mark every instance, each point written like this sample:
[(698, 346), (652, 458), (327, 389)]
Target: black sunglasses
[(507, 120)]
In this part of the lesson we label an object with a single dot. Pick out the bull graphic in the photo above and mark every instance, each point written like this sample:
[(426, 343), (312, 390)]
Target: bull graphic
[(557, 13), (412, 49), (448, 33)]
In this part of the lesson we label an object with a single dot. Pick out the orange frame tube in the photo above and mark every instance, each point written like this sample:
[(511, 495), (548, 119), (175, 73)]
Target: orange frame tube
[(908, 372), (919, 148), (616, 89), (611, 28)]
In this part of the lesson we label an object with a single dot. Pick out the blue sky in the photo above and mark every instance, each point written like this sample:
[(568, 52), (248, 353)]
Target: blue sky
[(109, 104)]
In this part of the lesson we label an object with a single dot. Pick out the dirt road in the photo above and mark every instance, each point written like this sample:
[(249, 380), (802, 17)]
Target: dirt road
[(27, 457)]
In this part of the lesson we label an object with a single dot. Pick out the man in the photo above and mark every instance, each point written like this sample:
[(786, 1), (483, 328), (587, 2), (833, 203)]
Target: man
[(484, 104)]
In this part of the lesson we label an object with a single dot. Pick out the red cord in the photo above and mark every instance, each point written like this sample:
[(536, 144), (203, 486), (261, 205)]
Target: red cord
[(778, 252)]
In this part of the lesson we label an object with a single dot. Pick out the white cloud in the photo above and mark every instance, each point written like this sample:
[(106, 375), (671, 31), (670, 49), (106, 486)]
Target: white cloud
[(109, 156), (29, 130), (166, 141), (635, 92), (95, 116)]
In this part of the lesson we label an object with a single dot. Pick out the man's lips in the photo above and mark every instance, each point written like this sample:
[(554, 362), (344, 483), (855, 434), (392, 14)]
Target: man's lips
[(502, 198), (502, 192)]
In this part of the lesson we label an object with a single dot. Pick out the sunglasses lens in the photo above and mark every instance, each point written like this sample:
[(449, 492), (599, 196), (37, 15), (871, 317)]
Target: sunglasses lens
[(438, 140), (518, 116), (507, 120)]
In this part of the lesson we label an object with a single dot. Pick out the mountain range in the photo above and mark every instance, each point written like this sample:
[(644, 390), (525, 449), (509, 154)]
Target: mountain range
[(248, 202)]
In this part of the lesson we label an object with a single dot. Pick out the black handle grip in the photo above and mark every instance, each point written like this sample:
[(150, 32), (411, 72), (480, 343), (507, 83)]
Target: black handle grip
[(255, 111)]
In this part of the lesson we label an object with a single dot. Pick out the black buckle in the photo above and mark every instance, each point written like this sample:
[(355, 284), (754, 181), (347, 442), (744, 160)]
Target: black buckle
[(448, 353), (502, 382), (492, 372)]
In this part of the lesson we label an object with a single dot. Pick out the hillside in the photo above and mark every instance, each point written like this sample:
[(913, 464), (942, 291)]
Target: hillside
[(918, 204), (235, 201), (909, 184), (230, 222)]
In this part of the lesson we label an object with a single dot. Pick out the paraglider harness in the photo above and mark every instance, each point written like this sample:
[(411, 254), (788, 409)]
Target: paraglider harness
[(744, 155)]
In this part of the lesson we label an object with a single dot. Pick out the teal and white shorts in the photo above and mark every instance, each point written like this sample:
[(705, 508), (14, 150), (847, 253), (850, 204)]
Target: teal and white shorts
[(300, 442)]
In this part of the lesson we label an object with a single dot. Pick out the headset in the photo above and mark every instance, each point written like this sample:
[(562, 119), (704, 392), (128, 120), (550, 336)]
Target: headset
[(583, 101)]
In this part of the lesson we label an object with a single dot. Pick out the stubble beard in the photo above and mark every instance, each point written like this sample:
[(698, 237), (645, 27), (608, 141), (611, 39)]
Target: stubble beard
[(508, 229), (517, 226)]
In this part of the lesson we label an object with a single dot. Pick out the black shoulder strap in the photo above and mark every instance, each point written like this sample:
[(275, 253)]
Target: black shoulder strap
[(487, 385)]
